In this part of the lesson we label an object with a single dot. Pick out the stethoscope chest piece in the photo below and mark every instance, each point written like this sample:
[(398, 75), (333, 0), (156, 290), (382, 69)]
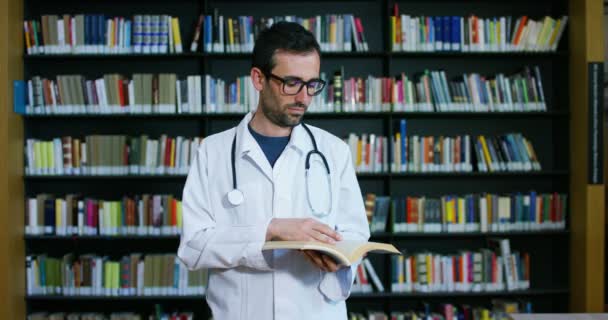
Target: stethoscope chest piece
[(236, 197)]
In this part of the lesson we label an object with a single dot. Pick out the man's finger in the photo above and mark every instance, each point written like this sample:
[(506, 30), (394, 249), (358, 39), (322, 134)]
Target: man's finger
[(330, 264), (326, 230), (316, 258), (318, 236)]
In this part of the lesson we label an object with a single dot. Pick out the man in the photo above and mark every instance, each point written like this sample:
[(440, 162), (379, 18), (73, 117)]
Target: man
[(248, 185)]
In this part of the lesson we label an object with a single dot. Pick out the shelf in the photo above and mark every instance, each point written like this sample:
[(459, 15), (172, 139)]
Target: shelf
[(456, 54), (319, 115), (554, 173), (362, 175), (370, 54), (375, 295), (378, 236), (187, 55), (531, 292), (451, 235)]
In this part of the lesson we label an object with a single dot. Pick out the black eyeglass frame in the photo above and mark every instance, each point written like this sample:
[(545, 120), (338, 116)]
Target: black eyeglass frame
[(303, 83)]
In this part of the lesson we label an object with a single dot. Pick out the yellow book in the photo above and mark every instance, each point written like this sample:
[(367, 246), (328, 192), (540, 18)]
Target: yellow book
[(461, 211), (548, 32), (230, 33), (393, 33), (107, 279), (486, 152), (179, 215), (359, 152), (332, 34), (172, 160), (38, 155), (429, 270), (50, 155), (344, 252), (485, 314), (450, 212), (498, 34), (490, 211), (397, 152), (177, 37), (401, 259), (112, 37), (558, 24), (58, 214), (543, 31), (28, 43)]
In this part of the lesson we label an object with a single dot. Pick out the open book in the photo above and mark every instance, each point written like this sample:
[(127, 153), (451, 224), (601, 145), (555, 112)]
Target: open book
[(344, 252)]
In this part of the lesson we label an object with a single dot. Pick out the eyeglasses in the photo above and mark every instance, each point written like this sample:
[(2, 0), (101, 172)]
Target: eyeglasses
[(293, 85)]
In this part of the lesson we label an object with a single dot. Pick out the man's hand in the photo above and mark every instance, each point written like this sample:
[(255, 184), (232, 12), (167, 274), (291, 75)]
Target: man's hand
[(323, 261), (291, 229)]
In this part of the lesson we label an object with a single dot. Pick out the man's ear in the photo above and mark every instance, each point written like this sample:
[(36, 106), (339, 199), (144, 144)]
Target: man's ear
[(257, 78)]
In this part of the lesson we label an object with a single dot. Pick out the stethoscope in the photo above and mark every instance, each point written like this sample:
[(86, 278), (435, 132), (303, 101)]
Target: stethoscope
[(236, 196)]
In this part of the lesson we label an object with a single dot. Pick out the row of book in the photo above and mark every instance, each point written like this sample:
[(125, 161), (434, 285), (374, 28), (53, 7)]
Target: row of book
[(84, 216), (428, 154), (486, 270), (499, 310), (473, 33), (110, 155), (505, 153), (100, 34), (157, 314), (95, 275), (472, 213), (334, 32), (428, 91), (123, 155), (155, 214), (142, 94), (161, 34)]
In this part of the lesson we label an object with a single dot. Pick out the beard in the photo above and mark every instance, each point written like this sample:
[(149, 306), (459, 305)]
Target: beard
[(280, 116)]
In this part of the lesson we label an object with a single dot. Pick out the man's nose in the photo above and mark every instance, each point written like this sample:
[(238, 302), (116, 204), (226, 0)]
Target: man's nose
[(303, 97)]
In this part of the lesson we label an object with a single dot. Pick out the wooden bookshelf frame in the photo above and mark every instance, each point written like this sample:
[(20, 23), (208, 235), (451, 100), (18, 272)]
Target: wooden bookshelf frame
[(587, 201), (12, 245)]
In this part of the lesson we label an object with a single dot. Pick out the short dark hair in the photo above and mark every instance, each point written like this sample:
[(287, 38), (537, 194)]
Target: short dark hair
[(288, 36)]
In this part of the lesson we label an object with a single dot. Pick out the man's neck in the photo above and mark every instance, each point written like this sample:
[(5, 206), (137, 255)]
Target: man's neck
[(264, 126)]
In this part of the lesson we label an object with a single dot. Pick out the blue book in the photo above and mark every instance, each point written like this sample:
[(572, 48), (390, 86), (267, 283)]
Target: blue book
[(470, 207), (101, 29), (19, 96), (430, 41), (532, 211), (128, 34), (455, 33), (208, 37), (438, 45), (347, 32), (447, 31), (87, 30)]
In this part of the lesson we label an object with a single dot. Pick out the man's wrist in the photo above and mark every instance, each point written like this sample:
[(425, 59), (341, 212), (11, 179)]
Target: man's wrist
[(270, 230)]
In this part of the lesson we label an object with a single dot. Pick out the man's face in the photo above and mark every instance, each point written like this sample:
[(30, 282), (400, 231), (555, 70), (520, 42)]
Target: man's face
[(288, 110)]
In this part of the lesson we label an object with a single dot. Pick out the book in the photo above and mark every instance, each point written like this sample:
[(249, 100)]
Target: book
[(344, 252)]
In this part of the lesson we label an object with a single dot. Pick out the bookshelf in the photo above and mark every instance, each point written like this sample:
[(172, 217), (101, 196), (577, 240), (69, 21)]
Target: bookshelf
[(560, 136)]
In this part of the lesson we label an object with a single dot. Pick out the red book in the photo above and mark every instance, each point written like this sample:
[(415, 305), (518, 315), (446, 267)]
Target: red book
[(168, 152), (174, 212)]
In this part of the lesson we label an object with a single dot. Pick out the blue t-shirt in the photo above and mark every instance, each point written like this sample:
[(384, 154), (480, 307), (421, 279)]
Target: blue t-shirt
[(272, 146)]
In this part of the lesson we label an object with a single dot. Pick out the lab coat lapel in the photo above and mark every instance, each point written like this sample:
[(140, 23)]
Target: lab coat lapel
[(248, 148)]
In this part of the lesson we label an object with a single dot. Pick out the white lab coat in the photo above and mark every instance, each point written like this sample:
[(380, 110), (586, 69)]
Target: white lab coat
[(245, 283)]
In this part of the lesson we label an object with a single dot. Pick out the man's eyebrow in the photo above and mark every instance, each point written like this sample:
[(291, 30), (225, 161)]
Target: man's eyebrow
[(299, 78)]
